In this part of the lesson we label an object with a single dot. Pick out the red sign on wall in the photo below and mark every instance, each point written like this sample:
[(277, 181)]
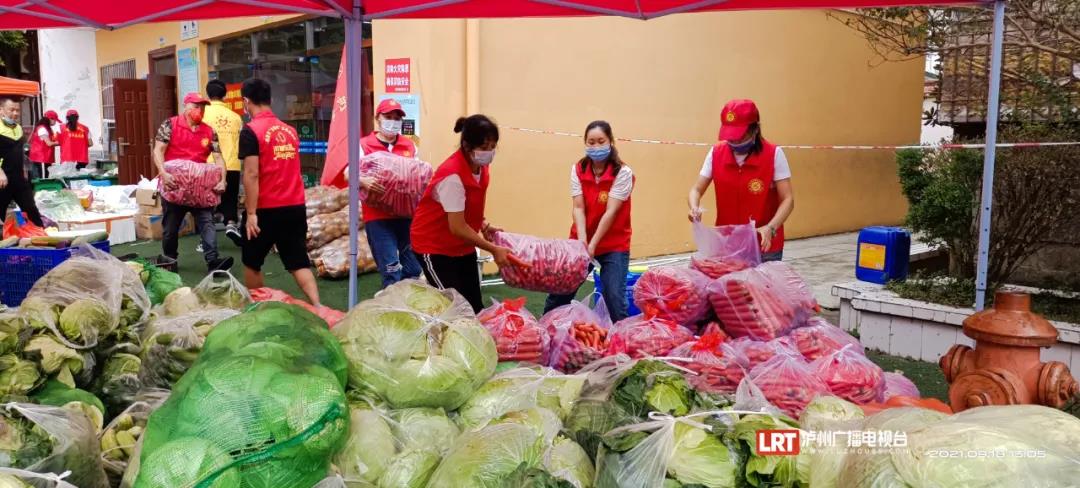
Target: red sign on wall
[(233, 99), (398, 75)]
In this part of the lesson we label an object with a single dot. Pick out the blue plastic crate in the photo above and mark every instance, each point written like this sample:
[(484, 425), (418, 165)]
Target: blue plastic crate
[(631, 279), (21, 268)]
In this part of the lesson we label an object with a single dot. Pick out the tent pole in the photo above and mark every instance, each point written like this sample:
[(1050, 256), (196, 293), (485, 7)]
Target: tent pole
[(992, 102), (354, 61)]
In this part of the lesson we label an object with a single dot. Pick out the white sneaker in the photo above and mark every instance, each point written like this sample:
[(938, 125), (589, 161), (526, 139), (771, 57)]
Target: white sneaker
[(199, 248)]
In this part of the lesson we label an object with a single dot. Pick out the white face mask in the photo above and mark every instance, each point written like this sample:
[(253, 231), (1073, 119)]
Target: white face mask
[(483, 158), (390, 128)]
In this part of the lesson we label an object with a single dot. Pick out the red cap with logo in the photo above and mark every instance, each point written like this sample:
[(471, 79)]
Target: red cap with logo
[(389, 105), (72, 112), (51, 115), (736, 118), (195, 98)]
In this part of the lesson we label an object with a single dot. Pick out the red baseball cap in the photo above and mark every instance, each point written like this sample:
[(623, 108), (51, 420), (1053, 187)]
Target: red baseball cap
[(389, 105), (736, 118), (195, 98), (51, 115), (72, 112)]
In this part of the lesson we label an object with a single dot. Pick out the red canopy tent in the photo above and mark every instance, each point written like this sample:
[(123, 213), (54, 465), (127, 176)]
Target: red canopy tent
[(114, 14), (23, 88)]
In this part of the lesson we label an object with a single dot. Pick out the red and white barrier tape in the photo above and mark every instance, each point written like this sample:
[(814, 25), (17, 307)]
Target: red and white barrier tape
[(876, 147)]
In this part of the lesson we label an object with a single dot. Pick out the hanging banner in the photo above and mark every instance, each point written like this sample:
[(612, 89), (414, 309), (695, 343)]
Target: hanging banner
[(398, 75), (233, 99), (337, 141)]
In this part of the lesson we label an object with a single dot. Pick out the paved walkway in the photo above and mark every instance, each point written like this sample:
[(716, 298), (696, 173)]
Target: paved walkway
[(824, 261)]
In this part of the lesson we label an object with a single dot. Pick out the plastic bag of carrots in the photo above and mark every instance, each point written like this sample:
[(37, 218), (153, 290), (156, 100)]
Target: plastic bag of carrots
[(788, 382), (793, 286), (757, 352), (677, 294), (557, 266), (850, 375), (719, 366), (897, 384), (518, 335), (820, 338), (725, 249), (750, 304), (403, 180), (579, 335), (642, 336)]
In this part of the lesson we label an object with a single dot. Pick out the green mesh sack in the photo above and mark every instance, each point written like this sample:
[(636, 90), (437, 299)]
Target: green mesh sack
[(159, 282), (263, 406)]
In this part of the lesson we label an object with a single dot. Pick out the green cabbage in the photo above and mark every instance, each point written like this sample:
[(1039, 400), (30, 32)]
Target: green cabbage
[(688, 454), (424, 428), (118, 382), (58, 394), (542, 421), (519, 389), (184, 461), (17, 376), (395, 449), (84, 319), (877, 468), (766, 470), (369, 449), (39, 313), (702, 458), (55, 357), (13, 330), (654, 386), (411, 468), (484, 458), (567, 460), (227, 293), (181, 301), (592, 419), (818, 463), (11, 481)]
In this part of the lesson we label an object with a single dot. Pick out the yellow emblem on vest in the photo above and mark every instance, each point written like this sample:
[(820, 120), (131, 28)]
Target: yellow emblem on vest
[(407, 154), (731, 116), (756, 186), (602, 197), (205, 142)]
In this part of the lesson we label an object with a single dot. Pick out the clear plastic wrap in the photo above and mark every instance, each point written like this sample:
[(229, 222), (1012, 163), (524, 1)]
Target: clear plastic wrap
[(757, 352), (18, 478), (46, 439), (170, 345), (725, 249), (486, 457), (324, 199), (674, 293), (332, 260), (640, 336), (518, 335), (719, 367), (557, 266), (59, 205), (896, 384), (750, 304), (119, 439), (788, 382), (403, 180), (416, 346), (850, 375), (220, 289), (794, 286), (193, 183), (578, 334), (522, 389), (819, 338)]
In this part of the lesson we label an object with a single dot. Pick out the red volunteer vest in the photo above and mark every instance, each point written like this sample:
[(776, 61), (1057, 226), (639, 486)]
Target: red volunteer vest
[(370, 144), (280, 183), (189, 144), (74, 145), (39, 151), (746, 192), (595, 193), (430, 230)]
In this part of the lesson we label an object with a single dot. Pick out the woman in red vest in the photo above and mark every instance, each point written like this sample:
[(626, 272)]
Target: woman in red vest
[(751, 178), (600, 185), (449, 223), (387, 235), (75, 142), (42, 144)]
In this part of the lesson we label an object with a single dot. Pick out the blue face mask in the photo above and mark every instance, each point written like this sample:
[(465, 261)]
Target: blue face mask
[(744, 147), (10, 122), (598, 153)]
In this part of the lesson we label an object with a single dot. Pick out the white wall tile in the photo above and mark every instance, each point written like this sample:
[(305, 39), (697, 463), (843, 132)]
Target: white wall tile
[(874, 331), (906, 338), (937, 340)]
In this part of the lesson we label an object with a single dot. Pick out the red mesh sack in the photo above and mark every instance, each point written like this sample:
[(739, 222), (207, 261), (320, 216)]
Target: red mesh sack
[(557, 266), (578, 335), (897, 384), (719, 366), (677, 294), (725, 249), (641, 336), (331, 316), (750, 304), (193, 183), (820, 338), (788, 382), (518, 335), (757, 352), (403, 180), (851, 376)]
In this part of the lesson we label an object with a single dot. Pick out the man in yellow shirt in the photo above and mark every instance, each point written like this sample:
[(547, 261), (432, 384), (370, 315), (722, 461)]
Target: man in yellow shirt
[(14, 185), (226, 124)]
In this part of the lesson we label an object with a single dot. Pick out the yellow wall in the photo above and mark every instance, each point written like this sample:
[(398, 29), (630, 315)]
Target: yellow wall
[(664, 79)]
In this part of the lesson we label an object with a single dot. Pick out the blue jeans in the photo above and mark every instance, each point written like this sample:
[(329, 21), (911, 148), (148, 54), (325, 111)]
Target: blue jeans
[(392, 250), (613, 269), (772, 256)]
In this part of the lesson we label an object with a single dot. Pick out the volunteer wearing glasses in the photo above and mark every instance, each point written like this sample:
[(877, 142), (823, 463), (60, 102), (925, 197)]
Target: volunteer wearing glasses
[(751, 179), (600, 185), (449, 223)]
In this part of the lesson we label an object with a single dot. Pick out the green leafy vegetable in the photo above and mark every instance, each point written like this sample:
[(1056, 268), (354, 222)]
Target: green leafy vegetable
[(183, 460), (766, 470), (653, 386), (17, 376), (568, 461), (84, 319), (485, 458)]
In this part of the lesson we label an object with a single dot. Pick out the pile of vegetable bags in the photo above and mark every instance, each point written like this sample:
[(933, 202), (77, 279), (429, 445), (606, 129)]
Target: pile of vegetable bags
[(47, 439), (725, 249), (263, 406), (673, 293), (193, 183), (763, 302), (328, 233), (578, 334), (556, 266), (518, 335), (403, 181)]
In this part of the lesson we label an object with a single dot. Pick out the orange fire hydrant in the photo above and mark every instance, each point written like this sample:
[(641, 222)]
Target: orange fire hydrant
[(1005, 367)]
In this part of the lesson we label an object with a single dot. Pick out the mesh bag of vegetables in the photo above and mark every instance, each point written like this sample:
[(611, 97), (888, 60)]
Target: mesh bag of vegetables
[(193, 183), (673, 293), (788, 382), (394, 448), (850, 375), (46, 439), (522, 389), (159, 282), (332, 260), (757, 352), (819, 338), (556, 266), (120, 438), (170, 345), (896, 384), (19, 478), (725, 249), (417, 346), (85, 299), (578, 334), (324, 199), (263, 406), (642, 336), (751, 304), (323, 229), (717, 367), (518, 335), (403, 180)]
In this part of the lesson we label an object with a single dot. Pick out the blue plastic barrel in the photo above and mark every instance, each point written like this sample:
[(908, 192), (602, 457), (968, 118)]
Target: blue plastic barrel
[(883, 254), (632, 276)]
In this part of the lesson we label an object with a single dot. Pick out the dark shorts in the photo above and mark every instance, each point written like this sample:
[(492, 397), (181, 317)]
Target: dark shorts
[(284, 227)]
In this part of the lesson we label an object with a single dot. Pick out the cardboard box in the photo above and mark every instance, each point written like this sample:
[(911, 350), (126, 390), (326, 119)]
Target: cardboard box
[(149, 202), (148, 227)]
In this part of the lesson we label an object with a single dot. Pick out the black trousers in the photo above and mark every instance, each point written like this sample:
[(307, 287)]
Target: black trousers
[(21, 192), (229, 200), (460, 273)]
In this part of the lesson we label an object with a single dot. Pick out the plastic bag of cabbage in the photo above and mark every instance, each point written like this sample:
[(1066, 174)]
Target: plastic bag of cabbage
[(263, 406), (521, 389), (416, 346), (18, 478), (46, 439), (171, 344)]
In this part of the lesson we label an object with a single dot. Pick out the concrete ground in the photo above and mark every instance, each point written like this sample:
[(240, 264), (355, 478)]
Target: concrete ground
[(822, 262)]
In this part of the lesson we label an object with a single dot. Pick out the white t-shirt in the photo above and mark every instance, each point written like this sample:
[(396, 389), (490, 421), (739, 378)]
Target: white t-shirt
[(620, 189), (43, 134), (781, 170), (450, 192)]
